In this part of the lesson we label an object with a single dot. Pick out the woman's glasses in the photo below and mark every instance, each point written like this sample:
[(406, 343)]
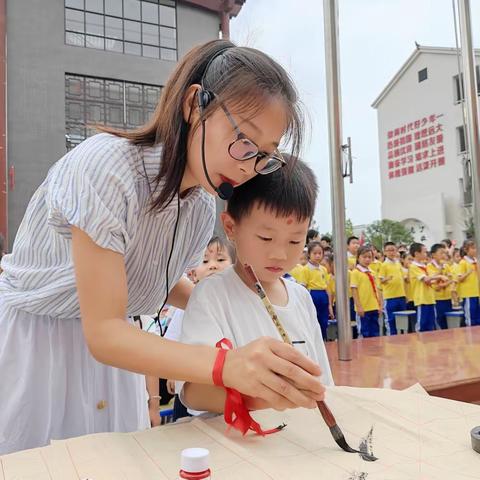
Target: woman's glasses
[(243, 149)]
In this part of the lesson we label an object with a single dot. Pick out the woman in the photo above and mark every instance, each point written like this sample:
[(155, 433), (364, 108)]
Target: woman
[(110, 232)]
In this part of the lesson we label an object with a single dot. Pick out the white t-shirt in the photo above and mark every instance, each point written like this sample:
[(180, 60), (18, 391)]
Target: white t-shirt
[(174, 330), (222, 306)]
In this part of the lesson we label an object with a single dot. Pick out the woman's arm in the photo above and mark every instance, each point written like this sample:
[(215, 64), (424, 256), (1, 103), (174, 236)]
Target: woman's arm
[(265, 368)]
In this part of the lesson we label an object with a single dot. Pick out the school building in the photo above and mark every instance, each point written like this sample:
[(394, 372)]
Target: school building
[(69, 64), (424, 165)]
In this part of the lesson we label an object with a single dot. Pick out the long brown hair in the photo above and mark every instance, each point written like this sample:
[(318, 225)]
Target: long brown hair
[(241, 76)]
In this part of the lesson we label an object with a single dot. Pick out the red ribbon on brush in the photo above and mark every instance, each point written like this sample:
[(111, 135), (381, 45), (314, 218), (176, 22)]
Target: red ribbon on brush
[(236, 413)]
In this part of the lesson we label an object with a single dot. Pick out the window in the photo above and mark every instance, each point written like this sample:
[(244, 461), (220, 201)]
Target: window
[(91, 101), (422, 75), (461, 140), (459, 87), (135, 27)]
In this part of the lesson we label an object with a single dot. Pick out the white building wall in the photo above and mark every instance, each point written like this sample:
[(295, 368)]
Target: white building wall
[(430, 200)]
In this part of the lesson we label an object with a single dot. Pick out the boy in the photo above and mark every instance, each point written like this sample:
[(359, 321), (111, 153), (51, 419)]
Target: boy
[(353, 245), (391, 280), (443, 290), (468, 283), (421, 283), (267, 218)]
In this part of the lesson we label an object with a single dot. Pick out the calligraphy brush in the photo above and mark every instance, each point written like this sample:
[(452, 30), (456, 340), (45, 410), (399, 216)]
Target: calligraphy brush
[(322, 406)]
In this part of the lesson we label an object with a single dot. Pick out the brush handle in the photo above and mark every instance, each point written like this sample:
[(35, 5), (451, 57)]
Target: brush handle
[(326, 414)]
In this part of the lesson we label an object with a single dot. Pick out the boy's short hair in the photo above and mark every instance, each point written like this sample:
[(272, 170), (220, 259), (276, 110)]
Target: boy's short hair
[(349, 239), (416, 248), (288, 191), (436, 247), (389, 244)]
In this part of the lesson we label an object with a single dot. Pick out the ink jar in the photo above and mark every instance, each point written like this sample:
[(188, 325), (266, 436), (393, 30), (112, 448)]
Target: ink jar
[(194, 464)]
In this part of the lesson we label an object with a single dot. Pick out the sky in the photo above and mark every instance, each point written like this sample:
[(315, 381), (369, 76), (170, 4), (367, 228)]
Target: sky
[(376, 38)]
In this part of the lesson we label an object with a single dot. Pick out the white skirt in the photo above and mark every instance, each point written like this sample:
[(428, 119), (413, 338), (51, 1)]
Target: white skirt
[(52, 388)]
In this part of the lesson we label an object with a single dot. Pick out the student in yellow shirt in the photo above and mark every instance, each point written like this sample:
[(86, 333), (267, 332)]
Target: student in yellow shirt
[(406, 260), (423, 293), (366, 295), (377, 261), (353, 245), (391, 278), (443, 290), (316, 278), (455, 272), (468, 284), (329, 264), (297, 272)]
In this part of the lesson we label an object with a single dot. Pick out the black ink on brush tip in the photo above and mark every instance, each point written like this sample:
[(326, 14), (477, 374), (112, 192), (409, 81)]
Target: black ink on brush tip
[(366, 447)]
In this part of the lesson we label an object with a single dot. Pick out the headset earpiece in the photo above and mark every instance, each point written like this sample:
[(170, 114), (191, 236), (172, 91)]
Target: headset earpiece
[(204, 98)]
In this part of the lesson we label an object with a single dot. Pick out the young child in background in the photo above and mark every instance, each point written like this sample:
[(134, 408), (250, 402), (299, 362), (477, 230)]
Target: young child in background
[(377, 261), (406, 260), (468, 283), (316, 279), (267, 219), (329, 264), (366, 295), (455, 271), (443, 290), (218, 255), (391, 278), (353, 245), (297, 271), (423, 293)]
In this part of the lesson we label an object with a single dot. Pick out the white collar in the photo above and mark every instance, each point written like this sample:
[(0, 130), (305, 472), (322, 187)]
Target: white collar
[(311, 266), (418, 264), (363, 269), (470, 259), (390, 261), (350, 254)]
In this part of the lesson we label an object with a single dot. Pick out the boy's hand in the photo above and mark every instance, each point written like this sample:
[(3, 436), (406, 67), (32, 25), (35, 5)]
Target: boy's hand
[(360, 311), (171, 387), (330, 312), (274, 372)]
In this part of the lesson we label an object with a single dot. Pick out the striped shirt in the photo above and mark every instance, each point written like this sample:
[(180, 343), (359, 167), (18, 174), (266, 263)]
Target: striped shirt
[(101, 188)]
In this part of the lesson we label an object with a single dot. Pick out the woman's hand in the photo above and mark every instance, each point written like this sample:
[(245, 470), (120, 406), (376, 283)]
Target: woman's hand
[(275, 373)]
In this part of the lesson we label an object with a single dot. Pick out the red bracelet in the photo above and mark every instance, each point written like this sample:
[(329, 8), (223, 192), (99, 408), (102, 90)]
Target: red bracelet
[(236, 413), (223, 346)]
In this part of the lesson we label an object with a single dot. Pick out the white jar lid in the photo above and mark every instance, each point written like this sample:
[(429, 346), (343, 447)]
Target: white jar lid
[(195, 460)]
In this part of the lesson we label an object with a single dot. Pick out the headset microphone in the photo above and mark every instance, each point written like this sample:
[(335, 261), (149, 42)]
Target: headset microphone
[(225, 189)]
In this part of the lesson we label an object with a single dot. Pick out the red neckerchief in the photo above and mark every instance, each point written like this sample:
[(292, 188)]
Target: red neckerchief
[(372, 281)]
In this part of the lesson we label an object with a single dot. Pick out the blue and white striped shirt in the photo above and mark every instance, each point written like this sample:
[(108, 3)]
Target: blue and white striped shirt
[(100, 187)]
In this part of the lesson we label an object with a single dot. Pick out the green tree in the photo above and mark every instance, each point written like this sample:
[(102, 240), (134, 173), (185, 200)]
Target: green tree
[(385, 230)]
